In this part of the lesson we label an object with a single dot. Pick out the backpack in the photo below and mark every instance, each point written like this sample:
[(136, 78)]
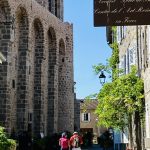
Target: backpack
[(64, 143), (76, 142)]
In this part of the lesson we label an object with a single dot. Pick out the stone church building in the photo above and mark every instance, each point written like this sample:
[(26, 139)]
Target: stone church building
[(36, 81)]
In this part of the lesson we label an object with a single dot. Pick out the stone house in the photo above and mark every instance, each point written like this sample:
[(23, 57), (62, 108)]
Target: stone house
[(88, 118), (36, 81), (134, 49)]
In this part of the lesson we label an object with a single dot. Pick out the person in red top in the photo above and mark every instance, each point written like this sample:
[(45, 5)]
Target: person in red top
[(64, 143), (76, 141)]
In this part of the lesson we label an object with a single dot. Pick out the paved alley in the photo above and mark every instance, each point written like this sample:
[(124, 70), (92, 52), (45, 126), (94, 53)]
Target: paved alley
[(94, 147)]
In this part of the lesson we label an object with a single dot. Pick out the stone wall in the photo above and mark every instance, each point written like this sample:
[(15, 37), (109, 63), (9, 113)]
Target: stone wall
[(54, 6), (32, 39), (44, 3), (140, 36), (147, 89), (65, 84), (77, 115)]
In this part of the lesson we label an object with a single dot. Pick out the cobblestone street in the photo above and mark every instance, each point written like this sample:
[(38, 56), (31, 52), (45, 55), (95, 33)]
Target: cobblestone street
[(94, 147)]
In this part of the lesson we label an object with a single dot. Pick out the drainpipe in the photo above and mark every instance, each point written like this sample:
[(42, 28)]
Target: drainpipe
[(138, 57)]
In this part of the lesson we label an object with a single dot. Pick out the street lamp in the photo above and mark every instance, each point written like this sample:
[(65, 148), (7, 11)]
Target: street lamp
[(102, 78)]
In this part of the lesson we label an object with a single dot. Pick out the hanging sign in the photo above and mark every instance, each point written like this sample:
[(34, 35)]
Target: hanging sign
[(121, 12)]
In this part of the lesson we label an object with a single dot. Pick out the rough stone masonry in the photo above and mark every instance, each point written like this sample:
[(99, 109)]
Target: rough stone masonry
[(36, 81)]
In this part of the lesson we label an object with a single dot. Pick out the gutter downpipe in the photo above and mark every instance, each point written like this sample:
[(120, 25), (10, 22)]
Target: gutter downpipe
[(138, 64)]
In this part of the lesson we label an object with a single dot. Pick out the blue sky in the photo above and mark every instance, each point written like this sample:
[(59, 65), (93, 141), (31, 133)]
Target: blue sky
[(90, 46)]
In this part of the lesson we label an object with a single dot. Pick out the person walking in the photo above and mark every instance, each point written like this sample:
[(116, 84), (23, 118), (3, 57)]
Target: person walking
[(76, 141), (64, 143)]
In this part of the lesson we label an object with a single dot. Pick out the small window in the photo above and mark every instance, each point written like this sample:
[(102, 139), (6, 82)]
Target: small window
[(86, 117), (29, 117), (143, 35), (29, 69), (50, 5), (56, 9), (63, 60), (131, 56), (13, 84)]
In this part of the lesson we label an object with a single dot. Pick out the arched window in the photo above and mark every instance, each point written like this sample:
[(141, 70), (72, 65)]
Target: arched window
[(56, 8), (50, 5)]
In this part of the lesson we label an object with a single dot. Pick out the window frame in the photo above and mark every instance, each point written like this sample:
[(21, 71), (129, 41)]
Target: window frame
[(86, 117)]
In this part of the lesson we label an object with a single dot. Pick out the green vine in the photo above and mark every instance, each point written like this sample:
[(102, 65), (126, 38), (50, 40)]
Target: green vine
[(114, 59)]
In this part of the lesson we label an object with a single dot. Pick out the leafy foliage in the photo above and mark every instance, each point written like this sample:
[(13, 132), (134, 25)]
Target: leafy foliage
[(100, 67), (121, 102), (5, 143), (119, 99), (113, 61)]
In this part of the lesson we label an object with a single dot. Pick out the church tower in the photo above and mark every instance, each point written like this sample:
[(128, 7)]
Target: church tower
[(54, 6)]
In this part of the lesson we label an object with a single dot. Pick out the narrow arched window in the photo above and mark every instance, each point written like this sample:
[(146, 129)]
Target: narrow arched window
[(50, 5), (56, 8)]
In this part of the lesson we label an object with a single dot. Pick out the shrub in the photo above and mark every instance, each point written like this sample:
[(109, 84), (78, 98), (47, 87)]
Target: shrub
[(5, 142), (47, 143)]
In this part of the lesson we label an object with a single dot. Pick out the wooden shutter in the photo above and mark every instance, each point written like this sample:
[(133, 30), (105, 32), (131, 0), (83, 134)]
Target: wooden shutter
[(89, 117), (82, 116)]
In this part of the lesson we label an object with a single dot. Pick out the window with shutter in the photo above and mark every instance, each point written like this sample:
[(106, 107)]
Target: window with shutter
[(89, 117), (127, 62), (85, 117), (121, 65), (119, 36), (132, 56), (124, 64), (82, 115)]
